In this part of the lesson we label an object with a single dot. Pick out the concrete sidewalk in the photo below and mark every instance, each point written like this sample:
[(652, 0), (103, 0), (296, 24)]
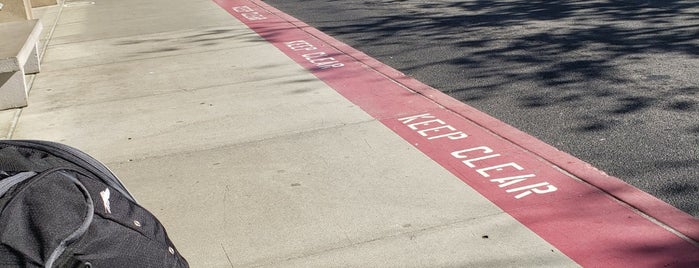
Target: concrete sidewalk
[(247, 158)]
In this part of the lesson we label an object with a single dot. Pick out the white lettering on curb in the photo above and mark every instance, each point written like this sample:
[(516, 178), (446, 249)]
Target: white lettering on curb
[(510, 176), (249, 13), (523, 188), (318, 58), (321, 61), (425, 127), (300, 45)]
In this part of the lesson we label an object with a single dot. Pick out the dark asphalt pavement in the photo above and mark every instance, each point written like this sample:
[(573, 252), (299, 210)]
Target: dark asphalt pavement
[(615, 83)]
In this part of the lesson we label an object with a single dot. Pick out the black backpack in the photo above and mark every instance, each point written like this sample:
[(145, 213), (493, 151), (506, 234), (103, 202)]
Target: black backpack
[(59, 207)]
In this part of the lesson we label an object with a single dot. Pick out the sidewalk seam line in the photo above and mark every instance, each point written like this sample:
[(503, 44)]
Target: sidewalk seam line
[(171, 92), (399, 234), (133, 60), (53, 28), (244, 142)]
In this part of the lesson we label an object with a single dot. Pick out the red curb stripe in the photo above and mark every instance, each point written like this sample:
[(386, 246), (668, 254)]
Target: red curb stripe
[(644, 202), (593, 221)]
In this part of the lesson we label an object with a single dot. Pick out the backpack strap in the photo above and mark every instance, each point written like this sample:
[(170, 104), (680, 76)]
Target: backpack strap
[(72, 262), (7, 183), (78, 232)]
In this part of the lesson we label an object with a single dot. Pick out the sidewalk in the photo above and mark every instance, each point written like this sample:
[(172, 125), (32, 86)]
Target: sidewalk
[(251, 160)]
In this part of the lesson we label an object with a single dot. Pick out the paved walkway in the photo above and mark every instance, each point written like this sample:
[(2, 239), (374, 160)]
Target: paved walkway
[(261, 142)]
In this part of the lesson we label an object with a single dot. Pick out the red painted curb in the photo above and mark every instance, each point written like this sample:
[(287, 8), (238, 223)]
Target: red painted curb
[(658, 209), (575, 207)]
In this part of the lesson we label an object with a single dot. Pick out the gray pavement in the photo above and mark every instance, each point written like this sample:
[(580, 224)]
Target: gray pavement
[(247, 158)]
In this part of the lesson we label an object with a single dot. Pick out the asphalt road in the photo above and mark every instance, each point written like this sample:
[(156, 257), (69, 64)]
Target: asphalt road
[(615, 83)]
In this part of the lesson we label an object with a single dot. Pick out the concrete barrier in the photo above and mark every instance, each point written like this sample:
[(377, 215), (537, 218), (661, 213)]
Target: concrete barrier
[(19, 42), (42, 3), (15, 10), (18, 56)]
